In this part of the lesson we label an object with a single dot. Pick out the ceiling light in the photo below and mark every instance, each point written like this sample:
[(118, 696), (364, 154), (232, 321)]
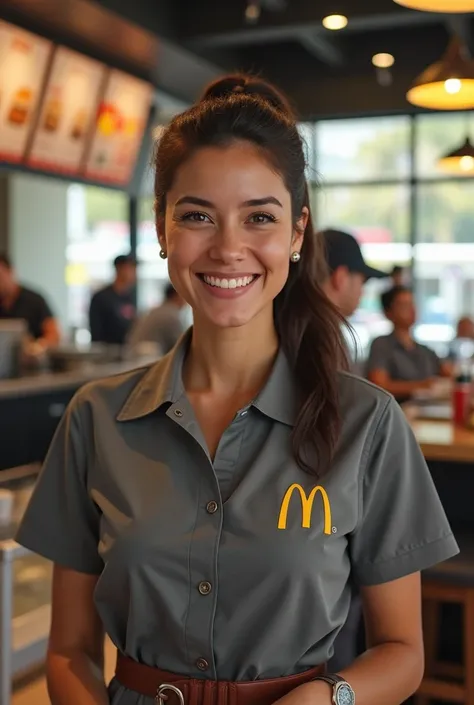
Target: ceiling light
[(383, 61), (448, 84), (460, 161), (439, 5), (252, 12), (335, 22)]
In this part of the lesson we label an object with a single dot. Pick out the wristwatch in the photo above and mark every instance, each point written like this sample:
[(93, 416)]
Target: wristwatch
[(342, 693)]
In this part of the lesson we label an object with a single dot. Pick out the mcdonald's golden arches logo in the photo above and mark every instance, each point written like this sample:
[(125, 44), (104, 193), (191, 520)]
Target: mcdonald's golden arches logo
[(306, 507)]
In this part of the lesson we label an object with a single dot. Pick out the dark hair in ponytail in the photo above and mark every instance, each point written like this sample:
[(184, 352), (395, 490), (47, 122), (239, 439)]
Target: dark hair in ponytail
[(245, 108)]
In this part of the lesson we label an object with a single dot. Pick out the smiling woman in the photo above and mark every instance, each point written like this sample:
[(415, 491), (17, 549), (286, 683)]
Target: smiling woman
[(213, 511)]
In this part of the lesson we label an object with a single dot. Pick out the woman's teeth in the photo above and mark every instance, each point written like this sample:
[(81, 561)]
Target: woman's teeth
[(228, 283)]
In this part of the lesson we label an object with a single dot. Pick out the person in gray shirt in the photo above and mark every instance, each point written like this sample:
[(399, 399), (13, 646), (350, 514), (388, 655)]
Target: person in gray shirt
[(162, 325), (397, 362), (212, 511)]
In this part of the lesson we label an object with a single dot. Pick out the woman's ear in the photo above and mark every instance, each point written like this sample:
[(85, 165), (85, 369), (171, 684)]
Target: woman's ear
[(160, 231), (299, 231)]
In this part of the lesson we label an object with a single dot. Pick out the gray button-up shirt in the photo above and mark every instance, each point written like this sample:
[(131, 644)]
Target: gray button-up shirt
[(405, 364), (243, 563)]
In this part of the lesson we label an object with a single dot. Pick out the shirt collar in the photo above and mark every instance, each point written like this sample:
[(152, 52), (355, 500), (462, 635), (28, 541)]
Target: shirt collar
[(163, 383)]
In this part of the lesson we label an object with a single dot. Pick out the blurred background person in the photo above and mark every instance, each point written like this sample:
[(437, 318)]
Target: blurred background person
[(346, 275), (396, 361), (162, 325), (397, 276), (19, 302), (347, 271), (465, 328), (113, 308)]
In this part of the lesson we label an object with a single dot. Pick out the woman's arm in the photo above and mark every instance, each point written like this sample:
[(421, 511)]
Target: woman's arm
[(75, 661), (392, 667)]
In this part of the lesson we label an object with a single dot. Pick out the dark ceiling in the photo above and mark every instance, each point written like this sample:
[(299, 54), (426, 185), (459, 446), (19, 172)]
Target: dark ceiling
[(181, 44)]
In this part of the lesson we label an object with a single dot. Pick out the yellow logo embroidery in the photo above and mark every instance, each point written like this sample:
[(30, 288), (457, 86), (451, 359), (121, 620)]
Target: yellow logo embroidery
[(306, 507)]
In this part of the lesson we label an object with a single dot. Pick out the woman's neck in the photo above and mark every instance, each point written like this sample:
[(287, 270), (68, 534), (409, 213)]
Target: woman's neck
[(224, 360)]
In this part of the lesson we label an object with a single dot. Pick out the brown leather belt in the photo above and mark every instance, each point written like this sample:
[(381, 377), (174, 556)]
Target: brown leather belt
[(180, 690)]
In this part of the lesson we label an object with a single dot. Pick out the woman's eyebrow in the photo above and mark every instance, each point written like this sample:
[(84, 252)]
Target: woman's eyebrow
[(252, 203), (195, 201), (257, 202)]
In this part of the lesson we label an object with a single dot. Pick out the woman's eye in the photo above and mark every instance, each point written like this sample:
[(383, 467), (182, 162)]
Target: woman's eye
[(196, 217), (262, 218)]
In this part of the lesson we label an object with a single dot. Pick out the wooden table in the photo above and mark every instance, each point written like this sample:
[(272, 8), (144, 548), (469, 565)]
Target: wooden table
[(441, 440)]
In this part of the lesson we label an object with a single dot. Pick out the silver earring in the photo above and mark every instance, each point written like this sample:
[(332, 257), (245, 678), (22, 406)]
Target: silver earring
[(295, 257), (163, 254)]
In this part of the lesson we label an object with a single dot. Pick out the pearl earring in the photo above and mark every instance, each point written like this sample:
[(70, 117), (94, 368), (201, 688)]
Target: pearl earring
[(295, 257), (163, 254)]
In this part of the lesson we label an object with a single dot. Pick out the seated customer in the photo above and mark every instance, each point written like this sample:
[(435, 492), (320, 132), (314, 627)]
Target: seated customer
[(162, 325), (397, 362), (16, 301)]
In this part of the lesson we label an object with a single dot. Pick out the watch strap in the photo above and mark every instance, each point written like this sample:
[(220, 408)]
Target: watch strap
[(331, 678)]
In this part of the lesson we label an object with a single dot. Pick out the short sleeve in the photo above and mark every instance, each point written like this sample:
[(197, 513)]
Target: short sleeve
[(402, 527), (378, 359), (61, 522)]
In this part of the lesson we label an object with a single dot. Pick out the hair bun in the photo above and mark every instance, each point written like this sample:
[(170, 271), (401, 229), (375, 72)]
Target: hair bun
[(243, 84)]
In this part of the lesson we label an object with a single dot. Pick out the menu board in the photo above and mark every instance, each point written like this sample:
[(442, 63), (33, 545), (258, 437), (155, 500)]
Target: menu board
[(23, 61), (121, 121), (67, 113)]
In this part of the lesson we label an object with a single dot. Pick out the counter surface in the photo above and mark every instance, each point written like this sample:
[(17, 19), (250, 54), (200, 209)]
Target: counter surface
[(55, 381), (441, 440)]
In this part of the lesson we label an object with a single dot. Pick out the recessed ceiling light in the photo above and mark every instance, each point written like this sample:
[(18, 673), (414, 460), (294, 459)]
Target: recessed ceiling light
[(335, 22), (252, 12), (383, 60)]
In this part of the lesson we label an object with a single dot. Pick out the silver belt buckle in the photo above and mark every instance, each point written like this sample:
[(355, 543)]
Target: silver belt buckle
[(161, 698)]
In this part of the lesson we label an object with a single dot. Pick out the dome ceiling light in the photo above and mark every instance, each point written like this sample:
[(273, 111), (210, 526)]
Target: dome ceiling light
[(448, 84), (448, 6), (460, 161)]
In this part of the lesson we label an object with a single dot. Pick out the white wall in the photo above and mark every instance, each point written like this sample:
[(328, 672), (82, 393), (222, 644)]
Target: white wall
[(38, 237)]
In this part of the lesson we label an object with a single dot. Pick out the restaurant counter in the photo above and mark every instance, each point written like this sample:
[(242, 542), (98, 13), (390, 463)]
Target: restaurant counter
[(32, 406)]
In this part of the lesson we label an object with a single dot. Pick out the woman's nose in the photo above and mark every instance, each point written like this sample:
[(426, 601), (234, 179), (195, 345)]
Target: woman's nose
[(228, 244)]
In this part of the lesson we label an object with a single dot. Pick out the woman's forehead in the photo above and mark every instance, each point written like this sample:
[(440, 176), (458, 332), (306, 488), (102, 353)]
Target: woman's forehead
[(237, 172)]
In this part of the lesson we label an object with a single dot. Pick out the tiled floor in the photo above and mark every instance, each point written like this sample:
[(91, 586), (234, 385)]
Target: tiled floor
[(35, 693)]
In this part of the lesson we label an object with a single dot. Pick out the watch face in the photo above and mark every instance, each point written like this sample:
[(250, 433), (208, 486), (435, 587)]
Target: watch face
[(345, 695)]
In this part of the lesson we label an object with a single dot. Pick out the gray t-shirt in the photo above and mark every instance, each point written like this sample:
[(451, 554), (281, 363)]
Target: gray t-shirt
[(238, 568), (405, 364), (162, 325)]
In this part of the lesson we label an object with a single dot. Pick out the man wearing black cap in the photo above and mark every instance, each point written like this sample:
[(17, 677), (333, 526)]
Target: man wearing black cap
[(348, 271), (347, 274), (113, 310)]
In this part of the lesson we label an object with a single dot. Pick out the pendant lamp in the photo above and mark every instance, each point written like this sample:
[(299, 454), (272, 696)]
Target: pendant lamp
[(448, 6), (460, 161), (448, 84)]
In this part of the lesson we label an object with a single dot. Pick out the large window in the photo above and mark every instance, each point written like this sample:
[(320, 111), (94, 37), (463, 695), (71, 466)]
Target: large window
[(98, 231), (378, 179)]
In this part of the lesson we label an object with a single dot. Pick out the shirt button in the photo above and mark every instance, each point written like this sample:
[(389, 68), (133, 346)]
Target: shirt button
[(178, 413), (212, 507), (205, 588), (202, 664)]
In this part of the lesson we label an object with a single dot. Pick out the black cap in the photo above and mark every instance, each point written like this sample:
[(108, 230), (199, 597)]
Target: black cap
[(124, 259), (343, 250)]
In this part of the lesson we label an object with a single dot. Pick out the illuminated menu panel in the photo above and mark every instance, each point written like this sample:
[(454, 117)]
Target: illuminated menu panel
[(23, 61), (121, 121), (67, 113)]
